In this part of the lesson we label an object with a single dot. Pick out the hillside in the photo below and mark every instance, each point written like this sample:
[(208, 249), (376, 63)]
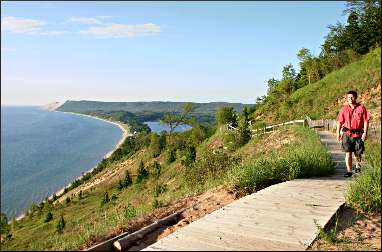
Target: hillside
[(324, 98), (154, 106)]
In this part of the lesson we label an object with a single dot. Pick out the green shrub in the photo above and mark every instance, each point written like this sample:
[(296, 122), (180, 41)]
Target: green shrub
[(210, 165), (187, 155), (4, 228), (170, 155), (142, 172), (159, 189), (157, 169), (67, 200), (305, 158), (126, 181), (365, 189), (60, 225), (105, 199), (130, 212), (155, 203), (49, 217)]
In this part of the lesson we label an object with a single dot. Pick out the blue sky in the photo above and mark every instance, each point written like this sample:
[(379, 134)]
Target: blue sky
[(144, 51)]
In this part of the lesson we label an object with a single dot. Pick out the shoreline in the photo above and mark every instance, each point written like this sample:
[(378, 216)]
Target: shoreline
[(125, 134)]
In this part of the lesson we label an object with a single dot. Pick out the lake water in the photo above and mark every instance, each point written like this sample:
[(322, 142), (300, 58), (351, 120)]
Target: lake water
[(157, 127), (42, 151)]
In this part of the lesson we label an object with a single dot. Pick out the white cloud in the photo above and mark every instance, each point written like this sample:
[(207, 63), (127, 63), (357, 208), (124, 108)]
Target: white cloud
[(20, 25), (122, 30), (84, 20), (48, 33), (26, 26), (105, 17)]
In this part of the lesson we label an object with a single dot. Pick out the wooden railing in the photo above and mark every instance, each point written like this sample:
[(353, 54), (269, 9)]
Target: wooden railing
[(273, 128), (322, 124)]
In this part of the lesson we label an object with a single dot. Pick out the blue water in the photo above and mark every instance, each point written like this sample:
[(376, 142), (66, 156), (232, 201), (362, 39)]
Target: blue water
[(157, 127), (42, 151)]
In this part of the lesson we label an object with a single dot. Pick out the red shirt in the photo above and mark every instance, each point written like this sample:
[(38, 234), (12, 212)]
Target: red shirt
[(353, 118)]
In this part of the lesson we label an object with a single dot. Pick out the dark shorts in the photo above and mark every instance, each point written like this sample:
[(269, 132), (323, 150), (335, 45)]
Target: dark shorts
[(355, 145)]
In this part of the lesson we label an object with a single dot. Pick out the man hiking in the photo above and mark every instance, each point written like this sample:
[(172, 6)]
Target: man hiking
[(352, 126)]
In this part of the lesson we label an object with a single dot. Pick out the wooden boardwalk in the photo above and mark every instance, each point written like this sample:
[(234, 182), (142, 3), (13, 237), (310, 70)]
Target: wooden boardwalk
[(279, 217)]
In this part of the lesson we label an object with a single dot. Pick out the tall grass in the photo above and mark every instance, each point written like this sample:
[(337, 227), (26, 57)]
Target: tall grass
[(305, 158), (365, 190)]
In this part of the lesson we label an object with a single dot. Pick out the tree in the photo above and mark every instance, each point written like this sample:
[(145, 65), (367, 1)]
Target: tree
[(272, 83), (157, 169), (60, 225), (105, 199), (155, 144), (353, 34), (127, 180), (142, 172), (288, 80), (49, 217), (226, 115), (174, 120)]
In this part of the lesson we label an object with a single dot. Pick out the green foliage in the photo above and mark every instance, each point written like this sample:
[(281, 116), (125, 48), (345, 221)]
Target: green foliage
[(234, 139), (365, 189), (155, 203), (175, 119), (170, 155), (60, 225), (105, 199), (142, 172), (80, 196), (155, 145), (129, 211), (330, 235), (67, 200), (159, 189), (157, 169), (303, 159), (226, 115), (48, 217), (127, 181), (209, 165), (4, 226), (198, 134), (187, 155)]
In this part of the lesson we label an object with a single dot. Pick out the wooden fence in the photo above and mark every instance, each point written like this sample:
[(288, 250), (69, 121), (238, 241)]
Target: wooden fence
[(322, 124)]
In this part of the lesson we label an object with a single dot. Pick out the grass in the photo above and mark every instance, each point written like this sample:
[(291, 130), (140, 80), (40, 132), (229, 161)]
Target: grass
[(365, 190), (306, 157)]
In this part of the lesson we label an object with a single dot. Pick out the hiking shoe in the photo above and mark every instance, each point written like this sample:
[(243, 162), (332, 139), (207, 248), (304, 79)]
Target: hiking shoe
[(348, 174)]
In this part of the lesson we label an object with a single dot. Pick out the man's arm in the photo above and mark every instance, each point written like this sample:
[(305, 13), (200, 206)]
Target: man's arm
[(365, 129), (338, 131)]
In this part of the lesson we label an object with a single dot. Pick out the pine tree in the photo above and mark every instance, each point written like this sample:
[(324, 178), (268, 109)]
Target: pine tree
[(49, 217), (60, 225), (142, 172)]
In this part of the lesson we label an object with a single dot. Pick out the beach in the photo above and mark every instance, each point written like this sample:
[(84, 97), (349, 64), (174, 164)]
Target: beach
[(125, 134)]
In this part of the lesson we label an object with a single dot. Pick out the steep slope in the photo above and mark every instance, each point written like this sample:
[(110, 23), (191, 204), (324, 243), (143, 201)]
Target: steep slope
[(324, 98)]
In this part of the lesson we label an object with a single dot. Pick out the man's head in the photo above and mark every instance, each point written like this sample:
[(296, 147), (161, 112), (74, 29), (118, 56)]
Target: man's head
[(351, 97)]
